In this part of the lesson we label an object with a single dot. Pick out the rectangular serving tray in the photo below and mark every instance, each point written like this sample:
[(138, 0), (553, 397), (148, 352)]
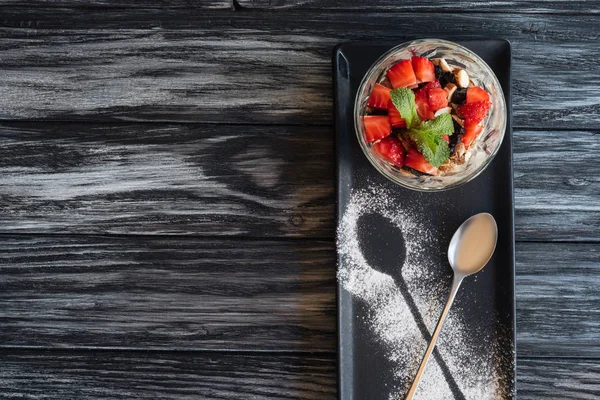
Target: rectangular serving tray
[(486, 301)]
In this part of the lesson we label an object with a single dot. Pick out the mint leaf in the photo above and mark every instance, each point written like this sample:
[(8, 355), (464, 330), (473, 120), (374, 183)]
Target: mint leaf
[(442, 125), (433, 147), (429, 140), (404, 101), (427, 135)]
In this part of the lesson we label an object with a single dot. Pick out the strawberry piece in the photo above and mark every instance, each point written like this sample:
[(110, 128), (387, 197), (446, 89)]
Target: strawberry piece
[(396, 119), (433, 84), (422, 102), (391, 149), (402, 75), (424, 69), (474, 112), (472, 130), (475, 94), (376, 127), (416, 161), (438, 98), (379, 97)]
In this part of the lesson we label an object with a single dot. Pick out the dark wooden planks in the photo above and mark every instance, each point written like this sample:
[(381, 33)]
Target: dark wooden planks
[(188, 375), (558, 299), (143, 293), (167, 179), (103, 4), (518, 6), (243, 180), (192, 375), (569, 379), (125, 292), (186, 65), (556, 185)]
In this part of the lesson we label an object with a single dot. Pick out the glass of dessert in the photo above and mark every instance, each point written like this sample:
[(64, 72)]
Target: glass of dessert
[(430, 115)]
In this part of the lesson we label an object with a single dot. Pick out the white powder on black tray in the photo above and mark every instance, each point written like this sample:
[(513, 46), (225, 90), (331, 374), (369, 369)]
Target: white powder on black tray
[(474, 368)]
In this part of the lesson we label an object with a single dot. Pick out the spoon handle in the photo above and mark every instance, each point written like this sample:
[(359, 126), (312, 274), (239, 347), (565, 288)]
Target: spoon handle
[(455, 285)]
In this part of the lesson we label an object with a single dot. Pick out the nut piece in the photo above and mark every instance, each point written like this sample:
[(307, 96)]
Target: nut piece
[(445, 66), (404, 143), (445, 110), (447, 166), (435, 62), (462, 78), (460, 149), (450, 88)]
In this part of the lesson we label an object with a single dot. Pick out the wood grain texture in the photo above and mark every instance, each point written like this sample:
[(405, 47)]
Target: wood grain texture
[(186, 65), (514, 6), (558, 299), (142, 293), (557, 186), (167, 179), (131, 293), (258, 181), (569, 379), (123, 375), (140, 375), (518, 6), (104, 4)]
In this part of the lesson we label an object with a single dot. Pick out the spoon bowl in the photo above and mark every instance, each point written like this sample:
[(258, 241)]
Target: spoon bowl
[(473, 244)]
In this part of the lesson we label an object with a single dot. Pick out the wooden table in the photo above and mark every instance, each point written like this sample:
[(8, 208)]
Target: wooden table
[(167, 192)]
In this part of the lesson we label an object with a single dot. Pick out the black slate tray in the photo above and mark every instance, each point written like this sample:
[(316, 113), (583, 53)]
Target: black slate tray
[(364, 371)]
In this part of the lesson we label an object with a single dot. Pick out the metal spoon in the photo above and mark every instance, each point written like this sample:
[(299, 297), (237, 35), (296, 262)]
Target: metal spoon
[(469, 251)]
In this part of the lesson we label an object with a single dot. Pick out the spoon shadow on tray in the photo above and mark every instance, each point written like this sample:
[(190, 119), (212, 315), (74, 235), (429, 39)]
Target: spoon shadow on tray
[(384, 248)]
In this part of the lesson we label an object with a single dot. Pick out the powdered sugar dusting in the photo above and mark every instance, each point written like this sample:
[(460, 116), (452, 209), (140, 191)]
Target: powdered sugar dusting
[(474, 369)]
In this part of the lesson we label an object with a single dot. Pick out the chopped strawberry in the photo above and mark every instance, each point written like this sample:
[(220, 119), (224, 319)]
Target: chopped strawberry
[(472, 130), (402, 75), (380, 97), (424, 69), (476, 93), (433, 84), (391, 149), (416, 161), (395, 118), (422, 102), (474, 112), (446, 138), (438, 98), (377, 127)]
